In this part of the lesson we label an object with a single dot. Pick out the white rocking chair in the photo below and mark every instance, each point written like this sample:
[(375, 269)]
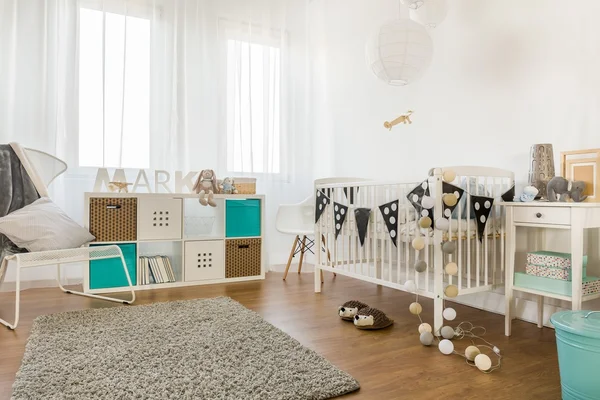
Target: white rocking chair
[(42, 169)]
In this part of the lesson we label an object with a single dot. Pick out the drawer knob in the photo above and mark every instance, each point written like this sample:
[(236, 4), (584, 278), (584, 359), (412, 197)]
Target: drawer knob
[(539, 215)]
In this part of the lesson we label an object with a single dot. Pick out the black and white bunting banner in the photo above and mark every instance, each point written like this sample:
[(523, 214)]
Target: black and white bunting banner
[(362, 215), (483, 207), (340, 212), (321, 203), (448, 188), (509, 195), (390, 216), (350, 196), (415, 196)]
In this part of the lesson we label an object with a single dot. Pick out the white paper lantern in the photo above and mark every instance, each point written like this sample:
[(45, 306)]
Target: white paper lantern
[(449, 314), (431, 14), (399, 52), (410, 286), (412, 4), (446, 346), (483, 362)]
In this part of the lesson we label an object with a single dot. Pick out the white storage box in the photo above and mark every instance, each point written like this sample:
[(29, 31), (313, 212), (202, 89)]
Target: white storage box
[(159, 219), (204, 260)]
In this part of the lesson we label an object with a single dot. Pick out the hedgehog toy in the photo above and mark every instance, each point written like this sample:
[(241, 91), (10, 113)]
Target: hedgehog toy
[(371, 318), (348, 310)]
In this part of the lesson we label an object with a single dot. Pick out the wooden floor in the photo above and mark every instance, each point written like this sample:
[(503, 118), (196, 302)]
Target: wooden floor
[(389, 364)]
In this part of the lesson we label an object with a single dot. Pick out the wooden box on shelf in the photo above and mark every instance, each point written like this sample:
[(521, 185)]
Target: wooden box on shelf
[(582, 165)]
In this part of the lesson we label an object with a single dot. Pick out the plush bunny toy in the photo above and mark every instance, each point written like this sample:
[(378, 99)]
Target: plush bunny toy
[(206, 186)]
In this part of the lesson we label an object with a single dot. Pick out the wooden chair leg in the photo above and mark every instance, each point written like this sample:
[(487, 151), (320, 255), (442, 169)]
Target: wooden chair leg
[(302, 253), (291, 256)]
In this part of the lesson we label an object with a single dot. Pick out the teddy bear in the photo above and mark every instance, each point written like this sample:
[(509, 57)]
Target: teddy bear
[(206, 187), (228, 186)]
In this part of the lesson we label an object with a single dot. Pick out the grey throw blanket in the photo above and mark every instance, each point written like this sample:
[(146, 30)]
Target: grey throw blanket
[(16, 191)]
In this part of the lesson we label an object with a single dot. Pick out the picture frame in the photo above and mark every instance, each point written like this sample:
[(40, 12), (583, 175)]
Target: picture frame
[(582, 165)]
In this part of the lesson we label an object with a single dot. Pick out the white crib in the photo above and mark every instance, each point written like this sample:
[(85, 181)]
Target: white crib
[(480, 263)]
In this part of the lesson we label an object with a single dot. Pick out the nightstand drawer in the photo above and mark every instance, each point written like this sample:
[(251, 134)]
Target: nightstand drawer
[(543, 215)]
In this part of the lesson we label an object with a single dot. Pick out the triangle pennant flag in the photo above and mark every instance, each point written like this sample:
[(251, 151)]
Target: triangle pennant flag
[(415, 196), (483, 207), (509, 195), (340, 216), (350, 196), (390, 216), (321, 203), (448, 188), (362, 215)]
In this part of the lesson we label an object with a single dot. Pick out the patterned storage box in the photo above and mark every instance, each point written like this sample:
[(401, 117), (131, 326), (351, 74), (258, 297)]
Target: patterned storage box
[(551, 272), (551, 264), (590, 284), (242, 258), (113, 219)]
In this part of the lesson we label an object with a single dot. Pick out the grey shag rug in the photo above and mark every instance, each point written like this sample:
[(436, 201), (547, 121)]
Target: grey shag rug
[(195, 349)]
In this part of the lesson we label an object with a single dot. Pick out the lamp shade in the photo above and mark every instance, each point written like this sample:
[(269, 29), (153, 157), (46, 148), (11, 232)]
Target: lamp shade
[(399, 52)]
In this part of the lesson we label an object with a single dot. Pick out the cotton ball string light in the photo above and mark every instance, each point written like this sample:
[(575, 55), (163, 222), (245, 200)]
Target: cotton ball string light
[(415, 308), (426, 338), (450, 199), (412, 4), (399, 52), (451, 268), (427, 202), (449, 247), (420, 266), (410, 286), (483, 362), (446, 346), (442, 224), (448, 175), (471, 352), (430, 14), (425, 327), (447, 332), (451, 291), (449, 314), (425, 222), (418, 243)]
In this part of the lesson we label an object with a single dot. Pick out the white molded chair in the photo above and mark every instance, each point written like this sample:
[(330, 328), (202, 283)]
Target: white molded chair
[(42, 169)]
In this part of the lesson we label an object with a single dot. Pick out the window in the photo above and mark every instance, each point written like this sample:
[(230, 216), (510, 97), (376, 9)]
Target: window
[(114, 90), (253, 107)]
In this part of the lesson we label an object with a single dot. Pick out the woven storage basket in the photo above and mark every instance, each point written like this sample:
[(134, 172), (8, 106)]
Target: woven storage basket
[(245, 185), (242, 258), (113, 219)]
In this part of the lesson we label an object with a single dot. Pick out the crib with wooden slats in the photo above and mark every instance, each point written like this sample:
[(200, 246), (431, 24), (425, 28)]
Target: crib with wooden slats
[(479, 257)]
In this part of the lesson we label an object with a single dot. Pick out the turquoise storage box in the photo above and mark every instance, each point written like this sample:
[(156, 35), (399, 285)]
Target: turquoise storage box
[(578, 347), (242, 218), (109, 273), (590, 284)]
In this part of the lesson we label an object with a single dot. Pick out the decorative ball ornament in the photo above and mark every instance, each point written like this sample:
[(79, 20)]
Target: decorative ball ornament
[(450, 199), (418, 243), (430, 14), (415, 308), (442, 224), (410, 286), (427, 202), (471, 352), (425, 222), (449, 314), (420, 266), (399, 52), (426, 338), (448, 175), (483, 362), (451, 291), (447, 332), (412, 4), (451, 268), (449, 247), (425, 327), (446, 346)]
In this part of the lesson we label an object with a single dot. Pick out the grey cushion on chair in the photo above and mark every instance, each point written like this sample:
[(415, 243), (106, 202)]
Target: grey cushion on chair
[(42, 226), (16, 191)]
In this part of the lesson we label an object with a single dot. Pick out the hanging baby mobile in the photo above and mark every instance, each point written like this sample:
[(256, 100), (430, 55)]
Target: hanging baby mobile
[(453, 199)]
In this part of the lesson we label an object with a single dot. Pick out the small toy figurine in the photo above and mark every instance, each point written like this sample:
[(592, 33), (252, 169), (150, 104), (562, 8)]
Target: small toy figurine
[(565, 189), (529, 193), (403, 119), (228, 186), (118, 187), (206, 187)]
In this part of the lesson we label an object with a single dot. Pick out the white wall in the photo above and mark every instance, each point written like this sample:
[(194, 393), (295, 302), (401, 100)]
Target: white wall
[(505, 74)]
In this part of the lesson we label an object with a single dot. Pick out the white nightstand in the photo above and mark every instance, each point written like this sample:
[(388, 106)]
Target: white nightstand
[(569, 216)]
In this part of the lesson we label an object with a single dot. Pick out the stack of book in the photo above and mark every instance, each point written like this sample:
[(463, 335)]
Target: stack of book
[(154, 269)]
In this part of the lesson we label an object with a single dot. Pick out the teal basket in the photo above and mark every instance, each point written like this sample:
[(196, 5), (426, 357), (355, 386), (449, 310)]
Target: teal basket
[(578, 345)]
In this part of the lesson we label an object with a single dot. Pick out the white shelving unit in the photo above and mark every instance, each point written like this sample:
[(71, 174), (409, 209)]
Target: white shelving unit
[(178, 226)]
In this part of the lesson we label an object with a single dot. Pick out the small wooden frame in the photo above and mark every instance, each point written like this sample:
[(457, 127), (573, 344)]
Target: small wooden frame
[(582, 165)]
